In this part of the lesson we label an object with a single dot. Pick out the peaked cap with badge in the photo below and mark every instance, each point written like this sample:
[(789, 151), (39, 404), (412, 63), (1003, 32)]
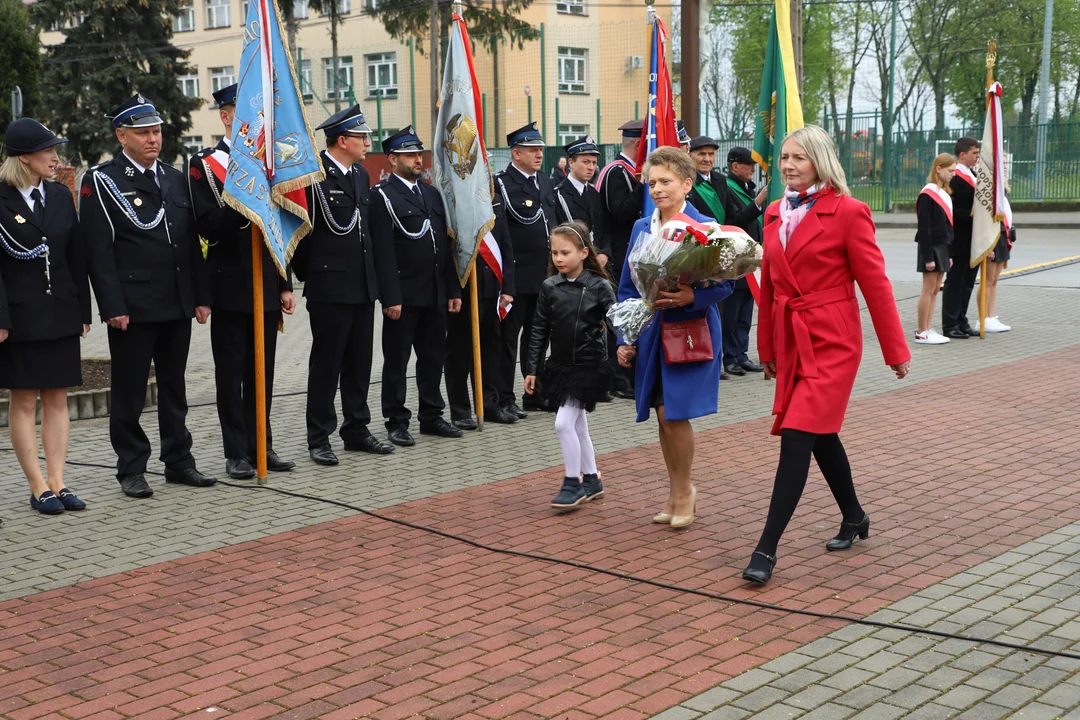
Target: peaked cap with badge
[(525, 136), (135, 112), (348, 121), (403, 141)]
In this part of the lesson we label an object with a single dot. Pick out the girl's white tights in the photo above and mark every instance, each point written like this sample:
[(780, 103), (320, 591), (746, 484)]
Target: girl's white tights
[(572, 428)]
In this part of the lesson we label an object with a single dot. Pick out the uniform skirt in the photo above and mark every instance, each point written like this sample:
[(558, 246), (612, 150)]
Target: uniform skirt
[(41, 365), (1002, 250), (584, 383), (941, 259)]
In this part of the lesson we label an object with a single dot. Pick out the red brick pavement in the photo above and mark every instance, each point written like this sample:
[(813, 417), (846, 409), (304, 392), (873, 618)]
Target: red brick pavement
[(359, 617)]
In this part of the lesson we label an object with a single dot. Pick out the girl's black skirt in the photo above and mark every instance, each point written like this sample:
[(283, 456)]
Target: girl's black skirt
[(584, 383)]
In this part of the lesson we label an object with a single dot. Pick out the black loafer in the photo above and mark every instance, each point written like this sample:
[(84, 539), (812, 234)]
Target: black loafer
[(759, 571), (849, 532), (624, 394), (239, 469), (400, 437), (46, 503), (440, 428), (276, 464), (190, 477), (135, 486), (972, 332), (734, 370), (517, 412), (750, 366), (499, 416), (465, 424), (323, 455), (956, 334), (370, 445), (533, 402), (70, 501)]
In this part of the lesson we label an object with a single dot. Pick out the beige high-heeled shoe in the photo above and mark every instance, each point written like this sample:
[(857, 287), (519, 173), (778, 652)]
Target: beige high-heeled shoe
[(662, 518), (681, 521)]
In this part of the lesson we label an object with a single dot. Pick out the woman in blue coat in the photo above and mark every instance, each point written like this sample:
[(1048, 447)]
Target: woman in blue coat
[(678, 392)]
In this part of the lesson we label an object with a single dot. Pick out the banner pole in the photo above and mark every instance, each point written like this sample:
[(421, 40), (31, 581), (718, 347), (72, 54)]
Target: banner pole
[(982, 299), (478, 372), (258, 312)]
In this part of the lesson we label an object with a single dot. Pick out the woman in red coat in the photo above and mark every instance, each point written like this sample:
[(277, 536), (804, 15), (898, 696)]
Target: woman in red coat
[(819, 241)]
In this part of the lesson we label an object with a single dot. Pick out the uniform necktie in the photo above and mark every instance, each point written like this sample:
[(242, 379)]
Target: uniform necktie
[(39, 205), (536, 183), (150, 175), (416, 192)]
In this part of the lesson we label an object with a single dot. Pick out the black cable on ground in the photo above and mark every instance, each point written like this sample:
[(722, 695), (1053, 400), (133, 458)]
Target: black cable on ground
[(627, 576)]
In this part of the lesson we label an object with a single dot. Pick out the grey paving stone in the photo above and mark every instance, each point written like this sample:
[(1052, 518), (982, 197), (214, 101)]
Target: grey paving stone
[(813, 696), (974, 661), (711, 699), (847, 679), (862, 697), (678, 713), (728, 712), (881, 662), (1038, 711), (1021, 662), (788, 662), (829, 711), (1042, 678), (750, 680), (927, 661), (993, 678), (864, 647), (931, 711), (1013, 696), (831, 664), (944, 678), (985, 711), (913, 696), (778, 712), (1064, 696), (962, 696), (881, 711), (762, 698), (798, 680), (896, 678)]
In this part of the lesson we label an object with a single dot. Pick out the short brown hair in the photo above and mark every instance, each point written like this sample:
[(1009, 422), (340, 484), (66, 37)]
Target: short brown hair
[(965, 144), (674, 159)]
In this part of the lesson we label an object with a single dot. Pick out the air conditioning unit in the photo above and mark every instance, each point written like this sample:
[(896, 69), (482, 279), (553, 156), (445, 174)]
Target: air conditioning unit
[(635, 62)]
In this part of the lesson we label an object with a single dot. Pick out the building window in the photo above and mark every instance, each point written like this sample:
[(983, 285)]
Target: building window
[(571, 7), (382, 75), (192, 144), (217, 13), (244, 10), (569, 133), (300, 9), (221, 77), (572, 70), (184, 21), (370, 5), (344, 7), (215, 139), (338, 88), (306, 88), (189, 85)]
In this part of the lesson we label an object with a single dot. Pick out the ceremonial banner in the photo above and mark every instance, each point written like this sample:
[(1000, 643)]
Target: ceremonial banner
[(988, 211), (459, 160), (659, 128), (273, 154), (779, 106)]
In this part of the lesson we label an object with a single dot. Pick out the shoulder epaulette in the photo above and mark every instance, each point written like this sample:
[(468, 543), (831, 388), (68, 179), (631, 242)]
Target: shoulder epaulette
[(101, 165)]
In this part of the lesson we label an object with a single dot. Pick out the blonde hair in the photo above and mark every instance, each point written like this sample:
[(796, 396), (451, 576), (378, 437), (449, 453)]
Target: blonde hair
[(820, 149), (15, 173), (674, 159), (943, 160)]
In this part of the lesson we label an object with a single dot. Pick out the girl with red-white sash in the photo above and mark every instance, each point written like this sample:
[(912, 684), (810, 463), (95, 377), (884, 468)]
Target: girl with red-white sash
[(934, 211)]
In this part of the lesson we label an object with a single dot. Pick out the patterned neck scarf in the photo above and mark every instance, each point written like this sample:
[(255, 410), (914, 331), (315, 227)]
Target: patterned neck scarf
[(793, 208)]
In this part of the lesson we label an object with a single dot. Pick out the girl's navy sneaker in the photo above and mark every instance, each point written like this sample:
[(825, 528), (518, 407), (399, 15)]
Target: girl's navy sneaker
[(571, 495)]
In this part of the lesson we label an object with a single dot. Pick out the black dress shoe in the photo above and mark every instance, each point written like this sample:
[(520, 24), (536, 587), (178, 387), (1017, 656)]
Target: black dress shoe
[(749, 366), (239, 468), (624, 394), (190, 477), (534, 402), (276, 464), (972, 332), (759, 571), (956, 334), (517, 412), (499, 416), (464, 424), (70, 501), (604, 397), (135, 486), (370, 445), (848, 533), (400, 436), (440, 428), (324, 455), (734, 370)]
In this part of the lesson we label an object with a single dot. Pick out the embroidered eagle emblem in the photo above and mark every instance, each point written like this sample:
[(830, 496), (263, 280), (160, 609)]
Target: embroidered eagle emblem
[(460, 144)]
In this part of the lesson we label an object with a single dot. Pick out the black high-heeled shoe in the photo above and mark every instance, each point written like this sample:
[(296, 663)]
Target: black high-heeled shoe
[(848, 532), (759, 571)]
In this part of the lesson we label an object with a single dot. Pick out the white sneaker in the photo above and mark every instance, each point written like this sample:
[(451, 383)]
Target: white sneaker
[(995, 325), (929, 337), (938, 335)]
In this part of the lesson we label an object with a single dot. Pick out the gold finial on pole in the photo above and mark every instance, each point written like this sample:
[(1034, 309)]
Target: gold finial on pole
[(991, 60)]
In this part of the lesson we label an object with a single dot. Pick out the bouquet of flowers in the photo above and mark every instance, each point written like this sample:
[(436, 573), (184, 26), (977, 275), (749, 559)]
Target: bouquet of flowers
[(684, 252)]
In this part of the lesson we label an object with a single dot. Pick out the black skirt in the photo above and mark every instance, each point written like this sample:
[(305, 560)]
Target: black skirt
[(41, 365), (941, 259), (584, 383), (1002, 250)]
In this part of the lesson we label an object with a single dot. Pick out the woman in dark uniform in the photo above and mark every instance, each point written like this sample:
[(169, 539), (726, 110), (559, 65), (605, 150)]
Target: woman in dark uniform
[(44, 307)]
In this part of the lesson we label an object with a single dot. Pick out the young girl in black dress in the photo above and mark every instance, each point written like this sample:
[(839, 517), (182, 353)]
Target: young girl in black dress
[(933, 210), (571, 315)]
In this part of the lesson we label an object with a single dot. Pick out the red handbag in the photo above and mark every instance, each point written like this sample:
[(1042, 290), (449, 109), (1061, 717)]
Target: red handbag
[(686, 341)]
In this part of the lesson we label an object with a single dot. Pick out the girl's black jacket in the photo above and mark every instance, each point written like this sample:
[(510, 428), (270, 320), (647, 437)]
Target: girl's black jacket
[(571, 315)]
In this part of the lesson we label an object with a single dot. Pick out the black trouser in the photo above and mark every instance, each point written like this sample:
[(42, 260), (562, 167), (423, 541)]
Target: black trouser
[(516, 332), (624, 377), (166, 344), (737, 317), (959, 282), (422, 329), (459, 359), (796, 447), (341, 338), (232, 339)]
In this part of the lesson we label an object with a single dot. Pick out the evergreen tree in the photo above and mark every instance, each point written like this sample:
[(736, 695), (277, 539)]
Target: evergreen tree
[(20, 59), (112, 49)]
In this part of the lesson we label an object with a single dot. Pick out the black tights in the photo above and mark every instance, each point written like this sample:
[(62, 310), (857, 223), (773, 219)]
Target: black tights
[(796, 447)]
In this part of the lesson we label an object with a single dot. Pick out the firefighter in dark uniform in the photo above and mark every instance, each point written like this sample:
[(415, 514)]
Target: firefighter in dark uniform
[(494, 296), (149, 280), (622, 194), (576, 198), (529, 201), (232, 333), (344, 269), (407, 214)]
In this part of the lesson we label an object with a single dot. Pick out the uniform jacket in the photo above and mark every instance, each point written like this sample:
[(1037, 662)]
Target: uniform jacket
[(571, 316), (934, 228), (530, 240), (690, 389), (739, 212), (228, 238), (31, 307), (587, 207), (622, 196), (150, 274), (489, 286), (353, 267), (810, 322), (963, 199), (426, 275)]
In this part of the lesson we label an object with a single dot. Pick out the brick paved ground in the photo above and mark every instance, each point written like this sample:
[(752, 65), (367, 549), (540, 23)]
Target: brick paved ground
[(256, 605)]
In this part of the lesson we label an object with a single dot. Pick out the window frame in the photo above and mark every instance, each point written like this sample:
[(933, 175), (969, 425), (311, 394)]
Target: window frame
[(187, 11), (213, 8), (345, 63), (182, 80), (571, 7), (372, 62), (215, 78), (569, 56)]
